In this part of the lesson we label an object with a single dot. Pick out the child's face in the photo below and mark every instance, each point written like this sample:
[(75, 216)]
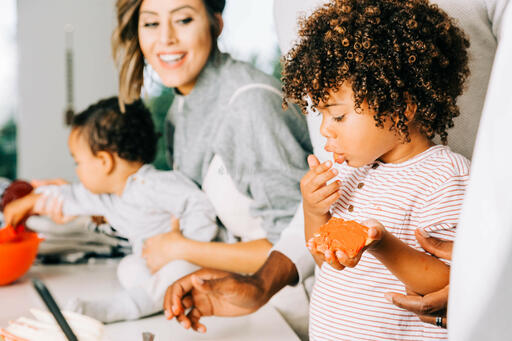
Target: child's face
[(354, 136), (89, 168)]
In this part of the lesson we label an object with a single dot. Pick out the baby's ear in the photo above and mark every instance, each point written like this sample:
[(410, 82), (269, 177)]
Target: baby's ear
[(107, 160)]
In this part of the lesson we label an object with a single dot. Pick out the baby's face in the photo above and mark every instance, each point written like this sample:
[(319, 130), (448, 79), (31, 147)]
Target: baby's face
[(88, 166), (353, 136)]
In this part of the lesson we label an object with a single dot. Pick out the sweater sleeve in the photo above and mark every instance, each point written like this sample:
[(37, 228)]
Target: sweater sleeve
[(76, 199), (265, 150)]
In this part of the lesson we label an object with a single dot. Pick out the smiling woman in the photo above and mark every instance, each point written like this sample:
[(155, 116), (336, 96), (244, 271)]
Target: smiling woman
[(225, 130)]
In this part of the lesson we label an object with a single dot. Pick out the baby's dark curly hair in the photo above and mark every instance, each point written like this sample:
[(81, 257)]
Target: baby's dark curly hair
[(393, 52), (131, 135)]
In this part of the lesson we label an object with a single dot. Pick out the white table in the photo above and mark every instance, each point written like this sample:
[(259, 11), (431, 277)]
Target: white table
[(99, 280)]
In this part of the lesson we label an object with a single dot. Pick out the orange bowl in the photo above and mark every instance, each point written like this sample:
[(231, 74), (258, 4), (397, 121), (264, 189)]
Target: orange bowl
[(17, 256)]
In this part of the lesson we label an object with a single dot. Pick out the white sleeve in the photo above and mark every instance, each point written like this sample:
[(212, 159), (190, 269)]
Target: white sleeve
[(495, 11), (77, 200), (293, 245)]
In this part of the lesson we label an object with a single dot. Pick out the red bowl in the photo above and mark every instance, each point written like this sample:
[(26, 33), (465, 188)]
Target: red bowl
[(17, 256)]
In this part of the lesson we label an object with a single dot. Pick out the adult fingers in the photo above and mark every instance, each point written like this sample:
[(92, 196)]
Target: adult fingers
[(194, 316), (430, 304), (433, 320), (438, 247), (174, 296)]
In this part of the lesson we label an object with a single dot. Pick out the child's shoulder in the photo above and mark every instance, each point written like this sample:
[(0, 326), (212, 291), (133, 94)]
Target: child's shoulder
[(446, 163)]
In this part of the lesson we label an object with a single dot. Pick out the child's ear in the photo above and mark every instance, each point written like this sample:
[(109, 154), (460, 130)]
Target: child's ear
[(108, 161), (410, 111)]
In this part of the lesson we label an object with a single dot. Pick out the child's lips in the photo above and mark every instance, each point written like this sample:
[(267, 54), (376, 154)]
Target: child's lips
[(338, 158)]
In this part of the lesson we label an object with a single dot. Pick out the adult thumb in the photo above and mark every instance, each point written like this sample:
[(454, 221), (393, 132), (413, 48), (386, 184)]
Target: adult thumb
[(438, 247)]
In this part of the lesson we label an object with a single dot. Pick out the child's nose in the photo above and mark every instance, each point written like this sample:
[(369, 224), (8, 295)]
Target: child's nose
[(325, 129)]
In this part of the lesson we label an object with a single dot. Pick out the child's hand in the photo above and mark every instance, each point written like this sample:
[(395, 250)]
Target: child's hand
[(17, 210), (337, 258), (318, 197)]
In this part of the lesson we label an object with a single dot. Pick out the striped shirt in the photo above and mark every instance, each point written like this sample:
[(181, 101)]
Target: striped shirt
[(424, 192)]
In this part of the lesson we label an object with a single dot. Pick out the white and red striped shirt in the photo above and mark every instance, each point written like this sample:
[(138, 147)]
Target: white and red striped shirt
[(426, 191)]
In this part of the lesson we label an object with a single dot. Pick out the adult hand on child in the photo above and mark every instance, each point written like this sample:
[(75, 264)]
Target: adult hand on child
[(433, 306), (164, 248)]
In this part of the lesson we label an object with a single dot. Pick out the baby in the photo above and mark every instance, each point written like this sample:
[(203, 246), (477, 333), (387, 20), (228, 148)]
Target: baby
[(112, 151)]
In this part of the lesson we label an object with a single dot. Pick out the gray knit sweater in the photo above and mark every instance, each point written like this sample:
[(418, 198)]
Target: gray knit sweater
[(235, 111)]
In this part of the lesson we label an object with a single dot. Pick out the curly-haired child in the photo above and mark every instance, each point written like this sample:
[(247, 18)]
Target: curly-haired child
[(113, 151), (385, 76)]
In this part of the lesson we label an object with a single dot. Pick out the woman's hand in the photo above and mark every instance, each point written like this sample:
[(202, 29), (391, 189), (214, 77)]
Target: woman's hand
[(432, 307), (164, 248), (338, 259), (318, 197)]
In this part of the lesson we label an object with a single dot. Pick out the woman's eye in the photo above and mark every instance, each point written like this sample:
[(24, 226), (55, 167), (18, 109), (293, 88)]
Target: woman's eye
[(150, 24), (184, 21)]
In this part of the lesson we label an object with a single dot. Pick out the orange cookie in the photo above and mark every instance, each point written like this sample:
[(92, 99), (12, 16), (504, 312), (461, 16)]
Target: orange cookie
[(338, 234)]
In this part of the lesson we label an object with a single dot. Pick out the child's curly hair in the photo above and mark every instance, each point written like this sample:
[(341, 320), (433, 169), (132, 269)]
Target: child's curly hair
[(393, 52), (131, 135)]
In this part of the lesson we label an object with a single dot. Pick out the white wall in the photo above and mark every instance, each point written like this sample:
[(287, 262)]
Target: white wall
[(42, 135)]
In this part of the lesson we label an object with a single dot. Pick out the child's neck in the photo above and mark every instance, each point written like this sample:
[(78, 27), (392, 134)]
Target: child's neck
[(124, 169), (405, 151)]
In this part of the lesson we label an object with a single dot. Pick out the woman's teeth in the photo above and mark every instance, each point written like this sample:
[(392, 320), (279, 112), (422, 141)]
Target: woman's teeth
[(171, 58)]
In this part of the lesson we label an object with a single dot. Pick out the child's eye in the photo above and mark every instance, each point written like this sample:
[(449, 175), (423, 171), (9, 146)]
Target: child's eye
[(338, 118), (184, 21)]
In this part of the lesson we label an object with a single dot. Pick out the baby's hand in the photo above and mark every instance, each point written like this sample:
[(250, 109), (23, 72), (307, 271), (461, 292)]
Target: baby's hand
[(15, 211), (339, 259), (318, 197)]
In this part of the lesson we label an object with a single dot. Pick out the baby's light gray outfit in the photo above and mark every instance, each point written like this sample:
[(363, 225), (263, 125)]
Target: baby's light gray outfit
[(149, 199)]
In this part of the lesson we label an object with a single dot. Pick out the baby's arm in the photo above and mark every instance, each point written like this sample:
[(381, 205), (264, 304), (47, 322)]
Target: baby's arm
[(16, 210)]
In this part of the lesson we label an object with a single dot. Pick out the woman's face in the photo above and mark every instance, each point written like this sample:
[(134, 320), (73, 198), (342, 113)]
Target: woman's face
[(175, 38)]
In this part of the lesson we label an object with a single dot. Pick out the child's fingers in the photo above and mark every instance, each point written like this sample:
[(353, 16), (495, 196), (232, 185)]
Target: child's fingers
[(332, 260), (325, 192), (321, 178), (330, 200), (313, 161), (346, 260)]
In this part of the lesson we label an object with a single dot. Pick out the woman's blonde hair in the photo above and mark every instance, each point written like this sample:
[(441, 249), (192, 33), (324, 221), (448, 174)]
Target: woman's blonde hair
[(126, 49)]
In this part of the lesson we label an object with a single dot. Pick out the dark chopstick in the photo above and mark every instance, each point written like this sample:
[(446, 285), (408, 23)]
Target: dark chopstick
[(54, 309)]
